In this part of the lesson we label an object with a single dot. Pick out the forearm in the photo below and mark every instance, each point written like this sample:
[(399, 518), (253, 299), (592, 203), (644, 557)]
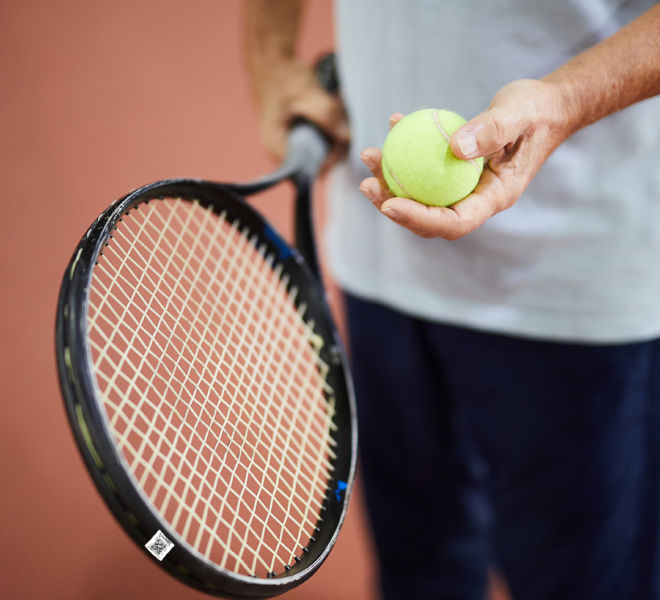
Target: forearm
[(283, 87), (270, 34), (619, 71)]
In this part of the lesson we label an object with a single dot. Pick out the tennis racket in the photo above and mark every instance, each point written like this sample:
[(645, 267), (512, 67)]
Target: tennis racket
[(205, 382)]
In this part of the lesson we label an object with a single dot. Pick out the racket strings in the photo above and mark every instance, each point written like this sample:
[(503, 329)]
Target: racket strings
[(213, 385), (118, 373), (104, 351), (146, 399)]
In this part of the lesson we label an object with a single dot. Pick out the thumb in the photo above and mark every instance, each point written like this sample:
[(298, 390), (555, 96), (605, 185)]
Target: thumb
[(486, 134)]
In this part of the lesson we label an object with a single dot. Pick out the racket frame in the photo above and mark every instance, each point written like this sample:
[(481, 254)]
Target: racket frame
[(109, 469)]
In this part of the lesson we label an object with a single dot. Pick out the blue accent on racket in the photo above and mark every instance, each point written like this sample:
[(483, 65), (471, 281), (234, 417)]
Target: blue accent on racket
[(341, 487), (283, 251)]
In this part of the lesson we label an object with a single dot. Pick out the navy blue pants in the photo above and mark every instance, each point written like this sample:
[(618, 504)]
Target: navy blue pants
[(480, 450)]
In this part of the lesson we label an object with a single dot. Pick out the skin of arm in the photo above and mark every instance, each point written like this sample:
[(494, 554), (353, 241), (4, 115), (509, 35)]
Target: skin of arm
[(525, 122), (283, 87)]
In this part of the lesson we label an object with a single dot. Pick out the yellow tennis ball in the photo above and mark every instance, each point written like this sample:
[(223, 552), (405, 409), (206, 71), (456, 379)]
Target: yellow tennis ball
[(418, 162)]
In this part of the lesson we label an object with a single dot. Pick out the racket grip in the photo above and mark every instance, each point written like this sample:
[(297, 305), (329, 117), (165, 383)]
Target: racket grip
[(308, 144), (307, 149), (326, 73)]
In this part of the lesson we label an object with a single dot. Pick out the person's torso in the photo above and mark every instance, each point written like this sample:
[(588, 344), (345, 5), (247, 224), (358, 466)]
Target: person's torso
[(575, 258)]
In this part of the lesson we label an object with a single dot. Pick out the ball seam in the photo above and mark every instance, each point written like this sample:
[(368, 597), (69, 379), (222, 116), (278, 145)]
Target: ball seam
[(396, 179), (441, 129)]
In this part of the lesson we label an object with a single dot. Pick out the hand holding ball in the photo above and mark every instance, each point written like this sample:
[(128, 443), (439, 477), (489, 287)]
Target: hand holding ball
[(418, 162)]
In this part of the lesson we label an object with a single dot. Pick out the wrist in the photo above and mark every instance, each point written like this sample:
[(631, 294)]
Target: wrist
[(275, 78), (569, 103)]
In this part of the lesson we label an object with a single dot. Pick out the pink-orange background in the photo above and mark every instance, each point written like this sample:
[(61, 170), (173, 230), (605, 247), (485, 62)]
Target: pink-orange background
[(97, 98)]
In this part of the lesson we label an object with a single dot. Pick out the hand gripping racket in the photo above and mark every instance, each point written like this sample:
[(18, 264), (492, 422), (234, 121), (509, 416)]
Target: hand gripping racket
[(205, 382)]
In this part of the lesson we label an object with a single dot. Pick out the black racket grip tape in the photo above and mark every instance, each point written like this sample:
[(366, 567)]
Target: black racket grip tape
[(326, 73)]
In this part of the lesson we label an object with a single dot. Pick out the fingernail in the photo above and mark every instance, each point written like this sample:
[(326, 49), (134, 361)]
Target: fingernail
[(390, 212), (467, 142), (364, 188), (366, 158)]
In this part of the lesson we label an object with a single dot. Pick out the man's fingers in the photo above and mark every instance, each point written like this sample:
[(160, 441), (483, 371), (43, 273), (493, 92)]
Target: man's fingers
[(450, 222), (274, 139), (427, 221), (326, 111), (376, 190), (372, 157), (486, 134), (395, 118)]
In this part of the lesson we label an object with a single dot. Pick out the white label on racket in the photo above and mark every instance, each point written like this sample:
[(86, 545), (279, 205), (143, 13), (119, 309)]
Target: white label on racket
[(159, 545)]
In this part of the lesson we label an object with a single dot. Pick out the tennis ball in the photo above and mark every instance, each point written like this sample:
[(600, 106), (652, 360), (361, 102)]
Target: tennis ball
[(418, 162)]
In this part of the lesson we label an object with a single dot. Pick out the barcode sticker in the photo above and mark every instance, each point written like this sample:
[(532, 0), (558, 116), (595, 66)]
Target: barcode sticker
[(159, 545)]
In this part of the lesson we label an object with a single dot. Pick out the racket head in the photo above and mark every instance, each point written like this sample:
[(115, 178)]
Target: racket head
[(110, 465)]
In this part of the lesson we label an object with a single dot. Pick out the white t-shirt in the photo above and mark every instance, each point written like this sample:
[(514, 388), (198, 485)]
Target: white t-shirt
[(577, 258)]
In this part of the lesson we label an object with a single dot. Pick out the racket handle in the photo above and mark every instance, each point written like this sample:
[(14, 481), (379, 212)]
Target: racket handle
[(326, 73), (308, 144), (307, 150)]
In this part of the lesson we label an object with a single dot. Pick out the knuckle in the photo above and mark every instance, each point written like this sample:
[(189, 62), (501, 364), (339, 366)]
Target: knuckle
[(497, 130)]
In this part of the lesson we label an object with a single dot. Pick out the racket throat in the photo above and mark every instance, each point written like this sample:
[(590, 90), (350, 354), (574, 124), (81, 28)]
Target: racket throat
[(304, 225)]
